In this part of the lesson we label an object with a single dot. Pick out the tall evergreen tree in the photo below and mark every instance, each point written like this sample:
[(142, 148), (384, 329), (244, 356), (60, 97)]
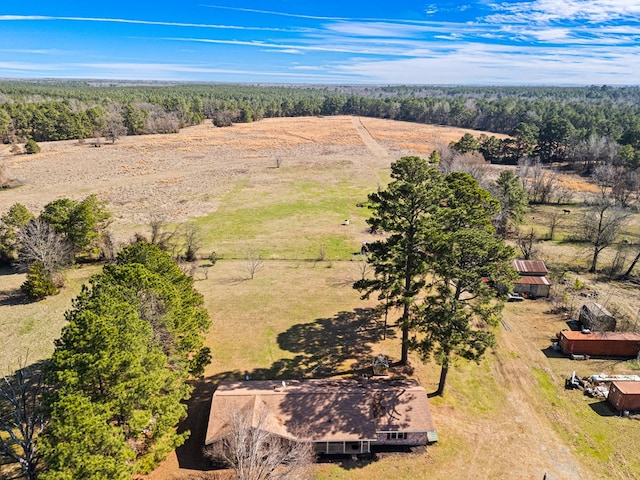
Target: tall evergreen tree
[(470, 268), (128, 350), (513, 201), (402, 211)]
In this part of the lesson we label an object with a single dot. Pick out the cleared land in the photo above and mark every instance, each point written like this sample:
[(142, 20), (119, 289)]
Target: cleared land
[(508, 417)]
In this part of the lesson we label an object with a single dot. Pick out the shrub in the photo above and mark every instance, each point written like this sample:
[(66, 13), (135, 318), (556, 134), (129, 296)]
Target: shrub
[(39, 283), (32, 147)]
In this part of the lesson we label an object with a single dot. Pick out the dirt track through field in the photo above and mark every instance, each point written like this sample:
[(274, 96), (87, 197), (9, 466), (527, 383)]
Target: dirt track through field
[(515, 357), (374, 147)]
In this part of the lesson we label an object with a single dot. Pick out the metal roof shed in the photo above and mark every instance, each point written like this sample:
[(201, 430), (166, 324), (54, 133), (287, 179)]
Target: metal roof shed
[(624, 395)]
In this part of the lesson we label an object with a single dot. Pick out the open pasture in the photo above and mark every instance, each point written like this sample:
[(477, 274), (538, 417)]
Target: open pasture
[(282, 188)]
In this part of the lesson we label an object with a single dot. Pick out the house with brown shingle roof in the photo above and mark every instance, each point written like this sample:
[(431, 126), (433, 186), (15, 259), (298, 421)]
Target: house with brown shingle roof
[(533, 281), (337, 416)]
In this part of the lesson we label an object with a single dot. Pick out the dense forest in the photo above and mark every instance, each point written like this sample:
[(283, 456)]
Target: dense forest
[(551, 122)]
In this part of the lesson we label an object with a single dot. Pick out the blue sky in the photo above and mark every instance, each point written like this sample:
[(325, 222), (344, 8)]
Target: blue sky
[(477, 42)]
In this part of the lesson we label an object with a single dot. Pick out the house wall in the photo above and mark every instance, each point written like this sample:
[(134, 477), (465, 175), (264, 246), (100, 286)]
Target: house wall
[(542, 290), (413, 438)]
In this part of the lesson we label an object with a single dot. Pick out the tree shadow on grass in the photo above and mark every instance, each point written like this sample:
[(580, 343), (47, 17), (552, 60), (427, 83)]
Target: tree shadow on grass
[(12, 297), (340, 345)]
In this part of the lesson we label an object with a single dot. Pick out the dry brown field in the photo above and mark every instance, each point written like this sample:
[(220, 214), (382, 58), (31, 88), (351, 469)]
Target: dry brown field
[(508, 417)]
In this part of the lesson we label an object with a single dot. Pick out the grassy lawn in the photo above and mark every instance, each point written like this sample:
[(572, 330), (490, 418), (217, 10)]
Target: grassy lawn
[(29, 329), (291, 220)]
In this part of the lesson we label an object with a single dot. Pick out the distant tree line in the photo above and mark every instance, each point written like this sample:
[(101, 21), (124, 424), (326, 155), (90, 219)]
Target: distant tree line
[(564, 122)]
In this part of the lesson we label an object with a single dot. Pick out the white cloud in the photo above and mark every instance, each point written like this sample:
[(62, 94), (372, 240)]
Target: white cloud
[(148, 22), (431, 9), (376, 29), (292, 51), (543, 11), (51, 51), (29, 66), (482, 64), (359, 46)]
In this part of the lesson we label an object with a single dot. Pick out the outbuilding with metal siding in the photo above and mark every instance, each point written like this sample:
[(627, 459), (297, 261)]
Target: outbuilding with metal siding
[(624, 395), (602, 344)]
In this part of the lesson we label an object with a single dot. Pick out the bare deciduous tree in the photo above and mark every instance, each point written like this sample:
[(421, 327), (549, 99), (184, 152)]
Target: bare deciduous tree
[(5, 180), (254, 263), (600, 226), (114, 123), (590, 153), (553, 221), (39, 242), (472, 163), (109, 247), (363, 265), (192, 241), (255, 453), (627, 274), (527, 244), (617, 182), (22, 417), (161, 235), (538, 182)]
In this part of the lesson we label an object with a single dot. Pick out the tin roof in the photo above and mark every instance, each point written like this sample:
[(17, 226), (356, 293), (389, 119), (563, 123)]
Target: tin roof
[(533, 280), (596, 309), (322, 410), (628, 388), (530, 267), (599, 336)]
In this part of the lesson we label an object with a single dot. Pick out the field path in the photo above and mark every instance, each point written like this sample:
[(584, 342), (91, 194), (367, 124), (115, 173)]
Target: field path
[(371, 143)]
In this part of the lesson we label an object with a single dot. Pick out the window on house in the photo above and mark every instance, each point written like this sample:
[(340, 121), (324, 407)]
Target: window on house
[(396, 436)]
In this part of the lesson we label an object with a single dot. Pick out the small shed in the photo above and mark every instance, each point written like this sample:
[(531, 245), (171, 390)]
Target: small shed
[(624, 395), (601, 344), (533, 281), (597, 318)]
